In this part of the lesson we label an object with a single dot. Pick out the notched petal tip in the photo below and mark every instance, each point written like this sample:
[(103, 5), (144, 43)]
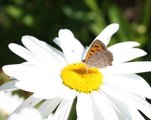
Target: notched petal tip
[(26, 38)]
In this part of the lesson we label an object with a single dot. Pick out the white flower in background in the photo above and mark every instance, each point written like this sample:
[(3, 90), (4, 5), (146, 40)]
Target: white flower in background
[(9, 102), (26, 114), (114, 92)]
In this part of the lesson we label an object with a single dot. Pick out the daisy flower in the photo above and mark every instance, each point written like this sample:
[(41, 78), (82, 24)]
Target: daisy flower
[(9, 102), (106, 90)]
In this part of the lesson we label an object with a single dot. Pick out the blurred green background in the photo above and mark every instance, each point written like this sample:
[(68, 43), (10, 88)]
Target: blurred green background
[(85, 18)]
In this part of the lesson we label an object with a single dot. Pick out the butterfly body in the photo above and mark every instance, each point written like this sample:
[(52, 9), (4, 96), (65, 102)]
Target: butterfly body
[(98, 55)]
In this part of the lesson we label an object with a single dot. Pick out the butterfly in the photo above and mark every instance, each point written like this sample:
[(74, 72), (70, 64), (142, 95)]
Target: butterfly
[(97, 55)]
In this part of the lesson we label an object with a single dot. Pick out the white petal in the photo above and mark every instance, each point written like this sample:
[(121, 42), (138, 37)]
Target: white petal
[(84, 107), (105, 108), (66, 92), (48, 106), (54, 90), (107, 33), (65, 33), (22, 52), (27, 55), (128, 98), (125, 111), (59, 55), (41, 48), (22, 71), (32, 44), (62, 111), (128, 68), (128, 55), (135, 115), (119, 48), (50, 90), (29, 102), (132, 83), (25, 86), (72, 48), (36, 76), (40, 59), (9, 86), (11, 70)]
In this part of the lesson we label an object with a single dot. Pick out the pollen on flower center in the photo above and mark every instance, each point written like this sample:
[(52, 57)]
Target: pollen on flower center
[(81, 77)]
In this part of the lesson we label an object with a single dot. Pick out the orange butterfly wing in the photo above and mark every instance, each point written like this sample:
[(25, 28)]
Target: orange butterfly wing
[(95, 46), (98, 55)]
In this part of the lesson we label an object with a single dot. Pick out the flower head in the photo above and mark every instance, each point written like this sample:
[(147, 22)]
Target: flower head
[(111, 92)]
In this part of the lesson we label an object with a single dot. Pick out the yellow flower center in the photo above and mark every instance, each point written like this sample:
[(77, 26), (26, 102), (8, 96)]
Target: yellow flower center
[(81, 77)]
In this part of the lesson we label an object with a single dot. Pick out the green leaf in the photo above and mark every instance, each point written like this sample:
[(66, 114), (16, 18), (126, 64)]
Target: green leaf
[(115, 15), (14, 11), (28, 20), (92, 4), (72, 114), (147, 13)]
